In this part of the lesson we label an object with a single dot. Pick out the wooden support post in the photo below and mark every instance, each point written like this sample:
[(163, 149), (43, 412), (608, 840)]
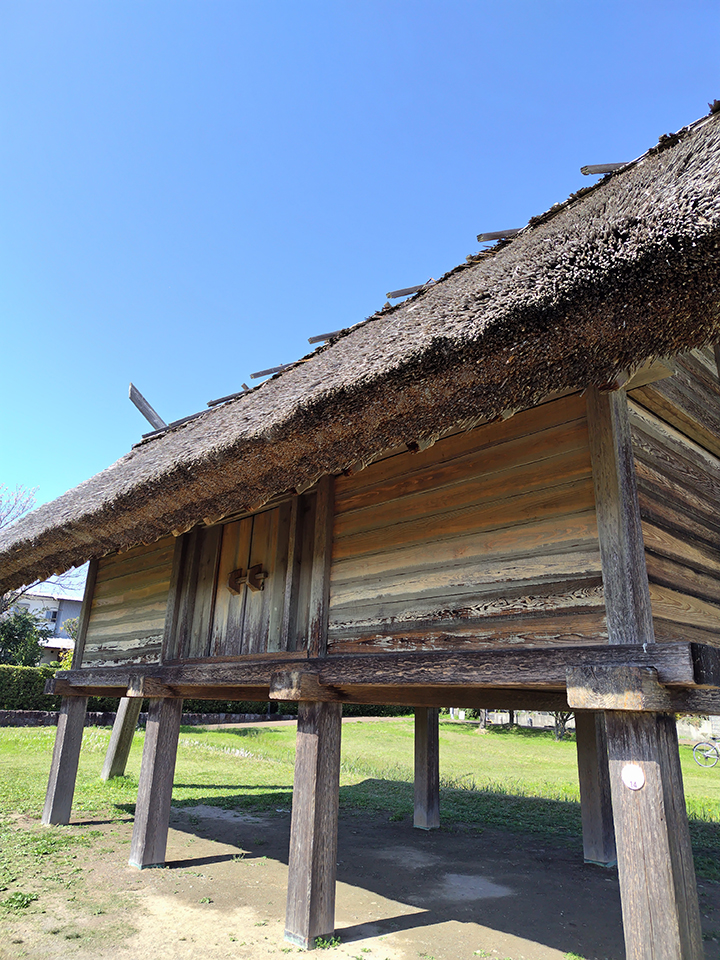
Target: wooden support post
[(313, 831), (152, 812), (63, 769), (121, 738), (595, 802), (427, 769), (622, 549), (660, 910)]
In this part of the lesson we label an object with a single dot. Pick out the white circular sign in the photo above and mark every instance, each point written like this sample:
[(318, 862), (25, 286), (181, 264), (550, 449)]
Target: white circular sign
[(633, 776)]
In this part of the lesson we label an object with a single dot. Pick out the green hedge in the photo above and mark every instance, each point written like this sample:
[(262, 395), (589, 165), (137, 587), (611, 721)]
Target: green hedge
[(21, 688)]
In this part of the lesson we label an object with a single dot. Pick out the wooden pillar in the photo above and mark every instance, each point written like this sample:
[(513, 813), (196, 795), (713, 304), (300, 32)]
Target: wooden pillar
[(152, 812), (66, 754), (121, 738), (427, 769), (661, 918), (313, 831), (594, 777)]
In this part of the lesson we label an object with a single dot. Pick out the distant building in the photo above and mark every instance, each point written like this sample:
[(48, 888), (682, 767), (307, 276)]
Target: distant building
[(55, 604)]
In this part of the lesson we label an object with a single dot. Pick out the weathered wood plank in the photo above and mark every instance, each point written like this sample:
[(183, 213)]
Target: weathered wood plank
[(312, 863), (688, 404), (65, 758), (275, 639), (134, 560), (661, 918), (230, 608), (557, 535), (426, 811), (634, 689), (558, 452), (121, 738), (556, 502), (622, 551), (669, 573), (152, 811), (685, 609), (320, 576), (470, 443), (594, 778), (84, 618), (556, 630), (288, 626), (470, 606)]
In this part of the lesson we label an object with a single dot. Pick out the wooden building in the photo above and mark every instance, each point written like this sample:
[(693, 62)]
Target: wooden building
[(502, 492)]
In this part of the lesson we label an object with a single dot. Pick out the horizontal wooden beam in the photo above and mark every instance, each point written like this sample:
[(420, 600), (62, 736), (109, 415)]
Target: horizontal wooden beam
[(307, 687), (677, 664), (635, 689)]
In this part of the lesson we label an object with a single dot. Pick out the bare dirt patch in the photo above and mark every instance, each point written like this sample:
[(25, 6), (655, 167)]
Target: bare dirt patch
[(403, 894)]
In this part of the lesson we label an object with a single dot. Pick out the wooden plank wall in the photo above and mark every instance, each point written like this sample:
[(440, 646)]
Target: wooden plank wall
[(487, 538), (127, 615), (676, 438)]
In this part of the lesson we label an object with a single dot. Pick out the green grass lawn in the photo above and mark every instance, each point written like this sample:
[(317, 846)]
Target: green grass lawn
[(518, 779)]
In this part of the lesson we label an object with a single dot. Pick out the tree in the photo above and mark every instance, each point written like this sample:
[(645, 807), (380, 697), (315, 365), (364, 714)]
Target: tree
[(561, 720), (14, 504), (20, 636)]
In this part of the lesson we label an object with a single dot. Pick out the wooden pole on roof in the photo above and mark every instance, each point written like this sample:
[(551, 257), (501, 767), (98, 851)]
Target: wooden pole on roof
[(150, 414)]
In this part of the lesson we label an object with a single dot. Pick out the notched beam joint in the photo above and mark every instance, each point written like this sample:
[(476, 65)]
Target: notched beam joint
[(149, 687), (298, 685)]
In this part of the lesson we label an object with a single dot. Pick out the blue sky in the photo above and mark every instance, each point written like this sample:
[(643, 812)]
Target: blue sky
[(192, 189)]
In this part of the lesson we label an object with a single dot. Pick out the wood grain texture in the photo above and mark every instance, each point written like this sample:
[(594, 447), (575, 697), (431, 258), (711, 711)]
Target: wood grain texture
[(152, 811), (320, 576), (594, 778), (661, 918), (426, 810), (488, 537), (677, 664), (689, 401), (633, 688), (84, 619), (622, 550), (129, 603), (65, 758), (312, 863), (121, 738), (679, 492)]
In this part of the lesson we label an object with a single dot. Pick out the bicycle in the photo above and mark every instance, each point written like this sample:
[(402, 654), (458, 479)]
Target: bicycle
[(706, 754)]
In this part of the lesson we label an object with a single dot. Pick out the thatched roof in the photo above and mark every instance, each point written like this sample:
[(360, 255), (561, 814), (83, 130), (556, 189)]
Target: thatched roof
[(620, 273)]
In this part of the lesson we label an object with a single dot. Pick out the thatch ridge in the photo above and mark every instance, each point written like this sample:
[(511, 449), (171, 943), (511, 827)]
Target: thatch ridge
[(628, 271)]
